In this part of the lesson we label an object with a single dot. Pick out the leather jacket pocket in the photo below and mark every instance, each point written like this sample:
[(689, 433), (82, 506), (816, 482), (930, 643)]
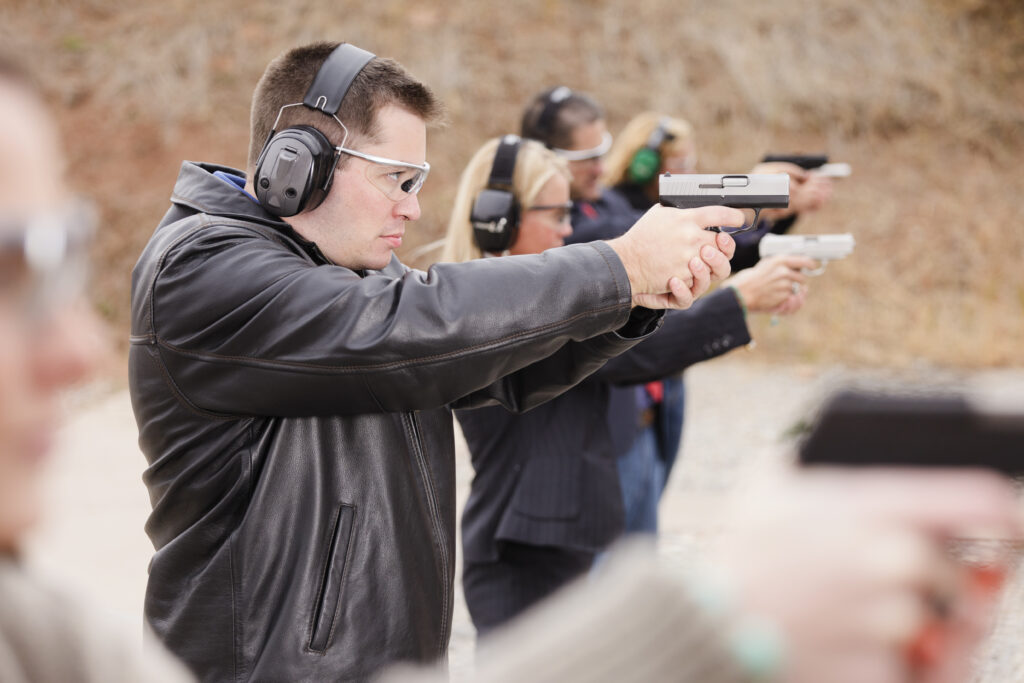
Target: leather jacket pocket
[(329, 596)]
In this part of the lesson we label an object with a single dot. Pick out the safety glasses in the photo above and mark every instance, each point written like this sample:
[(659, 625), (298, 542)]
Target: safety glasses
[(396, 179), (43, 258), (586, 154), (560, 212)]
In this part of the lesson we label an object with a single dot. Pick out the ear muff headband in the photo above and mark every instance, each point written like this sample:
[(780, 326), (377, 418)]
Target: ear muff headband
[(296, 166), (552, 103), (495, 214), (646, 163), (335, 77)]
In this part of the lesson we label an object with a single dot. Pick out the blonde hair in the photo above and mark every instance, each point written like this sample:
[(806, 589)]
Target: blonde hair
[(635, 136), (535, 166)]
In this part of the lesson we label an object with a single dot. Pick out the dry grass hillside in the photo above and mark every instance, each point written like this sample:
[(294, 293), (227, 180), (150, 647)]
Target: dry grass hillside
[(925, 98)]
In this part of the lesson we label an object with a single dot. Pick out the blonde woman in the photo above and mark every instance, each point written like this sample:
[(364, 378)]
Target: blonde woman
[(546, 497), (650, 144), (540, 188)]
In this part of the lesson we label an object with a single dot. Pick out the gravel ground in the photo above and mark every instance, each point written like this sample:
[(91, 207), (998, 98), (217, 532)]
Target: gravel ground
[(736, 413)]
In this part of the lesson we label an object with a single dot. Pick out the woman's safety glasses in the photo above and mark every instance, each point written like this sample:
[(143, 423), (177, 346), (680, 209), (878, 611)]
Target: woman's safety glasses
[(560, 212)]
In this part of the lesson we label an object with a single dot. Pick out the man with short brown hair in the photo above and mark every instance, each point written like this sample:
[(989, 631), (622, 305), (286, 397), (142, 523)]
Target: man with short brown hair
[(293, 382), (382, 81)]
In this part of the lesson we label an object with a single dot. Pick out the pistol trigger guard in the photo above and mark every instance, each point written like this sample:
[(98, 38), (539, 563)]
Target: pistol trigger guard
[(817, 271), (753, 224)]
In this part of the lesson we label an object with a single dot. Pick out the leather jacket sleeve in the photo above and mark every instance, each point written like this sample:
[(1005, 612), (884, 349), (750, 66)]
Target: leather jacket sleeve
[(245, 324), (551, 376), (712, 326)]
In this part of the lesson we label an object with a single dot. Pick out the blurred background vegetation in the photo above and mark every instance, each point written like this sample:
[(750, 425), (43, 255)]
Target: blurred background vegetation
[(925, 98)]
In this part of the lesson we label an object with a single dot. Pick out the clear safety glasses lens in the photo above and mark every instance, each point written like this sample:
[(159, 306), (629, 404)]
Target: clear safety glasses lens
[(396, 179), (560, 212)]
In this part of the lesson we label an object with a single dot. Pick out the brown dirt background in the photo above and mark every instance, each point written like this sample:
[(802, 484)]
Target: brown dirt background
[(925, 98)]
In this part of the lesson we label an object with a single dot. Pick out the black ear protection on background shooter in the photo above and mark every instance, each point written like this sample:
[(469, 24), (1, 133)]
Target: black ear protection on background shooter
[(646, 163), (552, 103), (495, 214), (296, 167)]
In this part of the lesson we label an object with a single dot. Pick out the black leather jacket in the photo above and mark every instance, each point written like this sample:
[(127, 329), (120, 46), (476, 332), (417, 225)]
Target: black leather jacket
[(295, 417)]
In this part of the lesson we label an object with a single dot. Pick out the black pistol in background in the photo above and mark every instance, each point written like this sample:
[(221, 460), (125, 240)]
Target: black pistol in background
[(858, 427), (812, 162), (963, 429), (736, 190)]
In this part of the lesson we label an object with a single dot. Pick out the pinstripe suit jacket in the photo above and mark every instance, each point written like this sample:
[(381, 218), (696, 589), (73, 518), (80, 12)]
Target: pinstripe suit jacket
[(548, 476)]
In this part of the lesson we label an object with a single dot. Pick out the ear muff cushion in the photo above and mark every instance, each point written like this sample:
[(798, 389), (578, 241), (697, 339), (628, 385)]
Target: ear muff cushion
[(644, 165), (495, 213), (495, 220), (294, 171)]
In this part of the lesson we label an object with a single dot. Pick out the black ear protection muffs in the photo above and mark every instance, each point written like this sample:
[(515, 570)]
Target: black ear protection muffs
[(495, 214), (646, 163), (296, 167), (552, 103)]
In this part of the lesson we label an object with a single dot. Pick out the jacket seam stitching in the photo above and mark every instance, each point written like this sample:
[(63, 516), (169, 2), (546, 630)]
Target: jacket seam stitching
[(204, 221), (234, 612), (433, 509), (180, 397), (394, 365), (615, 276)]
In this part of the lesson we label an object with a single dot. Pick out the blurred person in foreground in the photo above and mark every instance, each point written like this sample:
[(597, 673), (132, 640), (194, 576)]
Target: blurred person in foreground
[(293, 381), (821, 577), (546, 498), (646, 419), (49, 340)]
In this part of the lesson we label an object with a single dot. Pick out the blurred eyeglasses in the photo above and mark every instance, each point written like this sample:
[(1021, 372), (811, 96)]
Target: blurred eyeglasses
[(44, 259), (560, 211), (586, 154), (396, 179)]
